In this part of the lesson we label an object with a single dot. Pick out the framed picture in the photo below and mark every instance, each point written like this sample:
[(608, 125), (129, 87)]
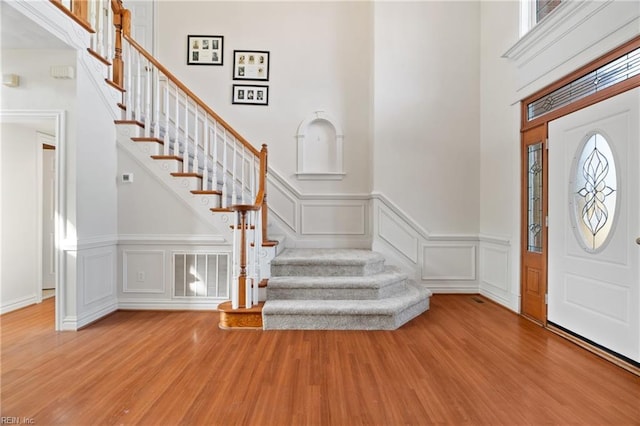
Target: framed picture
[(250, 65), (204, 50), (247, 94)]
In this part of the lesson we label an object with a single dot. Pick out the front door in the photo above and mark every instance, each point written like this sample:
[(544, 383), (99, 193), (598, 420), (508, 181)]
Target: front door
[(594, 221)]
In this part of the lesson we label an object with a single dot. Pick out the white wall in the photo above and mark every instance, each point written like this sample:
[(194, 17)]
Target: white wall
[(321, 58), (19, 282), (426, 117)]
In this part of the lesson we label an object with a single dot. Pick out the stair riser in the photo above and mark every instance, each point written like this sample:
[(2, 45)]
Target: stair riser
[(334, 293), (288, 270)]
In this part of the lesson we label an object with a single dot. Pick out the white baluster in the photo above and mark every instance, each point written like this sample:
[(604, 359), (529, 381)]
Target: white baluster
[(205, 154), (138, 89), (196, 141), (248, 281), (214, 157), (235, 299), (148, 92), (156, 103), (257, 247), (225, 170), (242, 183), (185, 155), (176, 140), (234, 192), (128, 81), (99, 28), (167, 135)]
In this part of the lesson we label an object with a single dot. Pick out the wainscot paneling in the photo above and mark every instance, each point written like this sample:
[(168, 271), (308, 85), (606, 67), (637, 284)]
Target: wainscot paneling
[(393, 231), (97, 274), (337, 218), (282, 205), (494, 267), (143, 271), (450, 262), (498, 281)]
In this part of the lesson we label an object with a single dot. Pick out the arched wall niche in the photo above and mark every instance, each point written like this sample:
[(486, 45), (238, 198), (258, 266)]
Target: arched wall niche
[(320, 143)]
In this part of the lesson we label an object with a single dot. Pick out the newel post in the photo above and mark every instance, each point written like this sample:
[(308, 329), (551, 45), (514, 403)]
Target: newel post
[(118, 63)]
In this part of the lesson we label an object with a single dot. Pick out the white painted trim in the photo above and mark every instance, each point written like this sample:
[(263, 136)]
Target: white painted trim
[(528, 46), (472, 263), (493, 239), (398, 211), (19, 303), (55, 21), (171, 239), (170, 305), (452, 289), (95, 315), (125, 281), (321, 176)]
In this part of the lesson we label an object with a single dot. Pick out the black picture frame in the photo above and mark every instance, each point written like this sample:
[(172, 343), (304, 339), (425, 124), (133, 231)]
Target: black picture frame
[(250, 94), (205, 50), (251, 65)]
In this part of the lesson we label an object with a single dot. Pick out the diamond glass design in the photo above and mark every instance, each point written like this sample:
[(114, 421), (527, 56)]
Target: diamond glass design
[(594, 192)]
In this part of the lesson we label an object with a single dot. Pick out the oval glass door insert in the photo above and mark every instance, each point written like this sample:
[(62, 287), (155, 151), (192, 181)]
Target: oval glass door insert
[(594, 192)]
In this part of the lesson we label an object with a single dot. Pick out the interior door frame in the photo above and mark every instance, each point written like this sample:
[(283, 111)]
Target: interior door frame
[(527, 126), (59, 123)]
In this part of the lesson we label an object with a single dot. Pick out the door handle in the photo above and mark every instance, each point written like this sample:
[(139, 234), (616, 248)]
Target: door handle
[(638, 241)]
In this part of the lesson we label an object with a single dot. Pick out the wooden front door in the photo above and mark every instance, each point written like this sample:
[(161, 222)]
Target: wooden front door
[(534, 233)]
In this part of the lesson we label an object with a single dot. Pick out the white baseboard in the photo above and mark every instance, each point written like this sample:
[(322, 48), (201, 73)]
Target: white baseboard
[(18, 304), (96, 314), (169, 305)]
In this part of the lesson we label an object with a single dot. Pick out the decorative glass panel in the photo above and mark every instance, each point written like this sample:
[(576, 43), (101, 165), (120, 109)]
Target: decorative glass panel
[(594, 192), (534, 198)]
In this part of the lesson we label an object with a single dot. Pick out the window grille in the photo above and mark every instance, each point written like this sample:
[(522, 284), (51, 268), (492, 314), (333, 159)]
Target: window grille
[(614, 72), (201, 275)]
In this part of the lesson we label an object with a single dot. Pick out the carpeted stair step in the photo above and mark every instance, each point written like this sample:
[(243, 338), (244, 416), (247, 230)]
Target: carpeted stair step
[(327, 262), (382, 314), (381, 285)]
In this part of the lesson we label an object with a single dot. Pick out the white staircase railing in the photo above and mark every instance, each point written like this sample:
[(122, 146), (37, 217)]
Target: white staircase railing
[(209, 149)]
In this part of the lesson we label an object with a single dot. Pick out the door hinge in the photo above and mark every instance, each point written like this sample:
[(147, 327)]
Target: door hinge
[(546, 221), (546, 144), (546, 298)]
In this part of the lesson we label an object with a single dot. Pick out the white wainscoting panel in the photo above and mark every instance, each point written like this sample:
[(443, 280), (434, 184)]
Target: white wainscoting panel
[(282, 205), (143, 271), (98, 277), (393, 231), (337, 218), (451, 262), (494, 267), (498, 280)]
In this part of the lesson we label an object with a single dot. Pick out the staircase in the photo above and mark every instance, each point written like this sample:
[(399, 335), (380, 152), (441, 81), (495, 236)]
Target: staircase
[(339, 289), (211, 165)]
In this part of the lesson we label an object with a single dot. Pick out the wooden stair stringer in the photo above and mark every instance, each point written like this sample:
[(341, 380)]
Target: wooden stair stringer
[(180, 186)]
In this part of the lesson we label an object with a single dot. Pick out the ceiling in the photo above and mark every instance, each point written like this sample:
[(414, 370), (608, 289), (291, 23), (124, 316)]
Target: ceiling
[(19, 32)]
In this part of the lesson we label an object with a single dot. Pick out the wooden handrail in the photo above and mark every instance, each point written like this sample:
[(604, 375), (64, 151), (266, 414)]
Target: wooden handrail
[(199, 101)]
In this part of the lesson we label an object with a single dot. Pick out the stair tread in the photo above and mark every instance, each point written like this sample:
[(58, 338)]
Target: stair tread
[(327, 256), (386, 306), (389, 276)]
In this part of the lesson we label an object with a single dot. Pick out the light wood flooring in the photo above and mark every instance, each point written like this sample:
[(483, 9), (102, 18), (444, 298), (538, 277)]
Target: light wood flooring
[(462, 362)]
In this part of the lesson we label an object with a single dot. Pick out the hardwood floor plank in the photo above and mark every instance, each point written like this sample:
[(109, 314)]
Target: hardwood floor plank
[(462, 362)]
